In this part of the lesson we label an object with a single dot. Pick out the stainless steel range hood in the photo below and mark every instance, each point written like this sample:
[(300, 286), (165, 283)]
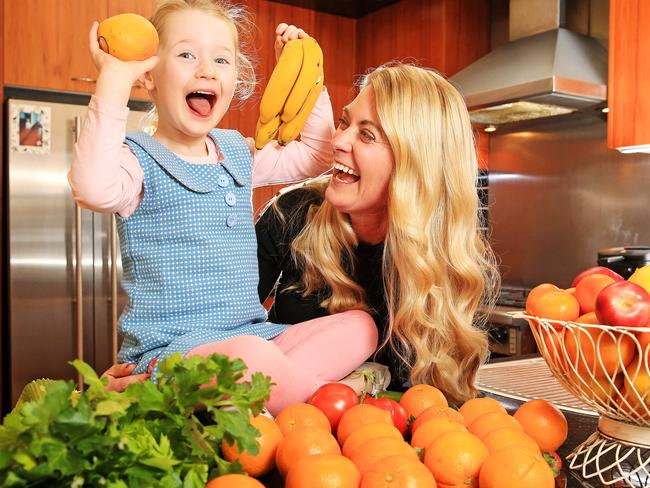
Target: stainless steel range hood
[(544, 70)]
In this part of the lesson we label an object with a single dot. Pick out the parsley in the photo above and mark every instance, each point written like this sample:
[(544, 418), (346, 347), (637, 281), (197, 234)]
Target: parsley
[(146, 436)]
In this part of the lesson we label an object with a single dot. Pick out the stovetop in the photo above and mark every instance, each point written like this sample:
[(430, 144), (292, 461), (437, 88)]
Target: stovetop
[(513, 296)]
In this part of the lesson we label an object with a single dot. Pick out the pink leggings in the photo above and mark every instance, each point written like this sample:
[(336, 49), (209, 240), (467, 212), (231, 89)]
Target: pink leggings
[(305, 355)]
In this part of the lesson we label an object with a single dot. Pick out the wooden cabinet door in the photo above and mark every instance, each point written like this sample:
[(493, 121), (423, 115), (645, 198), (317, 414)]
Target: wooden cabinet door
[(628, 84), (46, 43)]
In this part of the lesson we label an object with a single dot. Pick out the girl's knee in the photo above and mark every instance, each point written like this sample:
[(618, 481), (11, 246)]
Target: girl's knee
[(362, 324)]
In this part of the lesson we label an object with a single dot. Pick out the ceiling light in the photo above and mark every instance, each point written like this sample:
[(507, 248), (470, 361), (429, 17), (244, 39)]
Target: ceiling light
[(605, 110), (490, 128)]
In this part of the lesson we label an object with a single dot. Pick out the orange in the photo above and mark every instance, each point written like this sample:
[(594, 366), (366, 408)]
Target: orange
[(509, 436), (536, 293), (299, 415), (418, 398), (358, 415), (367, 432), (614, 351), (430, 430), (268, 440), (234, 481), (636, 391), (490, 421), (304, 442), (588, 289), (323, 471), (474, 408), (367, 455), (455, 458), (512, 467), (644, 341), (556, 305), (437, 411), (398, 472), (544, 422)]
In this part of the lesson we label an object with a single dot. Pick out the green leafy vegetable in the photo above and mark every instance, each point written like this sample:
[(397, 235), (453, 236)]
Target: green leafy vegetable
[(146, 436)]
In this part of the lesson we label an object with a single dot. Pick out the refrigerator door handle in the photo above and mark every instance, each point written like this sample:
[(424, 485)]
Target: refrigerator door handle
[(79, 314), (113, 251)]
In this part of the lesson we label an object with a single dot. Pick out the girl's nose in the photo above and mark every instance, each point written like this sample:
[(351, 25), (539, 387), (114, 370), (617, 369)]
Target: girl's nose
[(206, 69)]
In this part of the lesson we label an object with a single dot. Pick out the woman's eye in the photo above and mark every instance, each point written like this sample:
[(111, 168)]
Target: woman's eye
[(367, 136), (343, 122), (186, 55)]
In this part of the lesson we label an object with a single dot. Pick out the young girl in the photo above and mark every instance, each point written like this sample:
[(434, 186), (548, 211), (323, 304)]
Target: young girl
[(183, 205)]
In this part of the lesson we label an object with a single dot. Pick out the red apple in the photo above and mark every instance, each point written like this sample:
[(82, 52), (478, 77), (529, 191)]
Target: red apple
[(623, 304), (596, 270)]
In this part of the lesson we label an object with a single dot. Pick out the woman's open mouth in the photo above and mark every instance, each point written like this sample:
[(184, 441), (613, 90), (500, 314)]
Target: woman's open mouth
[(201, 102), (344, 173)]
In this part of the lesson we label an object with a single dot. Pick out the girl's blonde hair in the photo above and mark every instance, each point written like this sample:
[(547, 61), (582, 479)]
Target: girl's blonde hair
[(242, 25), (437, 266)]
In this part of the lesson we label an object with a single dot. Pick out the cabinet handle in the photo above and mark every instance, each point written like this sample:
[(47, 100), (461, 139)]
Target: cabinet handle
[(86, 79), (79, 314), (113, 250)]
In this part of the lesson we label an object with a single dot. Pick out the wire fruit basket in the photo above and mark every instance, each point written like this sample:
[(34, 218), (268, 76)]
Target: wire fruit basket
[(608, 368)]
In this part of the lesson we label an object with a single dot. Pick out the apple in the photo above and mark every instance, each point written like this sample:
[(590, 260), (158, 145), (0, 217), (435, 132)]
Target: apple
[(623, 304), (596, 270)]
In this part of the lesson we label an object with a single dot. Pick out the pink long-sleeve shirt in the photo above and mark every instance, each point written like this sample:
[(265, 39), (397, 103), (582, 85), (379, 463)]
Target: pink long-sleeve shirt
[(105, 175)]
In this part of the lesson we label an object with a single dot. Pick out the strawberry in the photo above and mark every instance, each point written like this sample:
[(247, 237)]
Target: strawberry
[(554, 461)]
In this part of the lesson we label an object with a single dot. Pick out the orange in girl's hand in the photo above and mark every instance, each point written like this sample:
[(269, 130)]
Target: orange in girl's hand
[(299, 415), (268, 440), (358, 415), (399, 472), (129, 37), (304, 442), (437, 411), (234, 481), (514, 466), (366, 432), (474, 408), (418, 398), (455, 458), (544, 422), (323, 470)]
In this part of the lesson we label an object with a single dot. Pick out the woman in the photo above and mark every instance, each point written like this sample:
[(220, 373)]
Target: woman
[(394, 231)]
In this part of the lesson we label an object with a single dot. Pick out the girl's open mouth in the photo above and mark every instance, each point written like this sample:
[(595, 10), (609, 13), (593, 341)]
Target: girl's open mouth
[(201, 102)]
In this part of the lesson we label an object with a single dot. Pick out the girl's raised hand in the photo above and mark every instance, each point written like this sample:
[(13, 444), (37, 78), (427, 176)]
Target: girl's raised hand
[(285, 33), (114, 73)]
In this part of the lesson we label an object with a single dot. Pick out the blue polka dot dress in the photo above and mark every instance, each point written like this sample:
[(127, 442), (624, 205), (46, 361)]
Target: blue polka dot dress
[(189, 253)]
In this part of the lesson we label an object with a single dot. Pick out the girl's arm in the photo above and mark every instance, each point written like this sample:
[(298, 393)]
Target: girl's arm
[(105, 176), (310, 156)]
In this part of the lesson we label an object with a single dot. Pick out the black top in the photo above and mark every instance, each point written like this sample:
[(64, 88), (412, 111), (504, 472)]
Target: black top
[(274, 237)]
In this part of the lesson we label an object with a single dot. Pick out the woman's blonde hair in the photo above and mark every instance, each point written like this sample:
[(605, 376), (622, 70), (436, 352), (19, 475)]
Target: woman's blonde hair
[(437, 266)]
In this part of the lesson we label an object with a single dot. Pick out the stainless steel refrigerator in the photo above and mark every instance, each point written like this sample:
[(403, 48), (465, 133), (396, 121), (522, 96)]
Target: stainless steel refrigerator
[(63, 294)]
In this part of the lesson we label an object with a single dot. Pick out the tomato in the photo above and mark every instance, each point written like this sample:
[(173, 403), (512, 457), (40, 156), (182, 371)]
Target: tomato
[(397, 412), (333, 399)]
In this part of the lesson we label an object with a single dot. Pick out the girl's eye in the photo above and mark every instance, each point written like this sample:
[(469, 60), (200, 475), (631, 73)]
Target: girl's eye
[(186, 55), (367, 136), (222, 61)]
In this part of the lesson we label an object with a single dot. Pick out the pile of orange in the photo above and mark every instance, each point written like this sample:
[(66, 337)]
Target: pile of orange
[(480, 442)]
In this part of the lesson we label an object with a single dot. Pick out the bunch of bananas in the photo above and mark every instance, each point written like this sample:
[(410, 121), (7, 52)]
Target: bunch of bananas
[(292, 91)]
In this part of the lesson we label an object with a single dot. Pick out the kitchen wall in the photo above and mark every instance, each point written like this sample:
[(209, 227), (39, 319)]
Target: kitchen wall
[(557, 195)]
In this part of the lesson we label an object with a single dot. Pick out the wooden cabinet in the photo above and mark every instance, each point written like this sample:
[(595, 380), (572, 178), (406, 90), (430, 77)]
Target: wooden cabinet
[(46, 41), (629, 83)]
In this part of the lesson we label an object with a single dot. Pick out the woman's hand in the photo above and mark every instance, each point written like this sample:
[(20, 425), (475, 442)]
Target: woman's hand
[(119, 376), (285, 33), (116, 77)]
